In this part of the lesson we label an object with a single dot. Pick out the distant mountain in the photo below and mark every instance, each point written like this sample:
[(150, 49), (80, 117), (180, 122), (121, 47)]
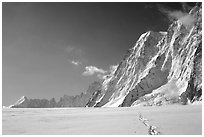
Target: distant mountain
[(82, 99), (65, 101), (24, 102), (162, 68)]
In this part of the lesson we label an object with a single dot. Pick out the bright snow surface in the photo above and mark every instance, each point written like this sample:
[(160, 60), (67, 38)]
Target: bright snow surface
[(172, 119)]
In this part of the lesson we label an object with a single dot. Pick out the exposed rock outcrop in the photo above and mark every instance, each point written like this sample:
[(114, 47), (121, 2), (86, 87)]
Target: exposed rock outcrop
[(82, 99)]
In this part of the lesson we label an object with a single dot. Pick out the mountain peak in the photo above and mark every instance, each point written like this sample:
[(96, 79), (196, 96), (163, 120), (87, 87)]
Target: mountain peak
[(161, 65)]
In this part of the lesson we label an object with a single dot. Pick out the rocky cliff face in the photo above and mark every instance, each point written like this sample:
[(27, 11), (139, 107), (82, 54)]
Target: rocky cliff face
[(162, 68), (80, 100)]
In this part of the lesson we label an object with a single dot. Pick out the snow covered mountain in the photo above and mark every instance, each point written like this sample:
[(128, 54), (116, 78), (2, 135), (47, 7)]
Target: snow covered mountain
[(65, 101), (82, 99), (24, 102), (162, 68)]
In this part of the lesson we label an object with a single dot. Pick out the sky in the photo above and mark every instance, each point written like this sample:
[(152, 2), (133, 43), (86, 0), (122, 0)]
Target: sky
[(52, 49)]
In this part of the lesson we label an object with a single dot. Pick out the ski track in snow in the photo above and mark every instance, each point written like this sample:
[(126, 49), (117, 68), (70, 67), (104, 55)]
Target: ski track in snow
[(151, 129)]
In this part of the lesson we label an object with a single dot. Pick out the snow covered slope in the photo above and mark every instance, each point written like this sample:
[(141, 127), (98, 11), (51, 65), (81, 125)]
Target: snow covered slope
[(162, 68), (169, 120)]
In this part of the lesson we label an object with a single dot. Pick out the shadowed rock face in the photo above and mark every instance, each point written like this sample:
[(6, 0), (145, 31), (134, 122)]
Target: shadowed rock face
[(165, 65), (194, 89), (80, 100), (92, 100)]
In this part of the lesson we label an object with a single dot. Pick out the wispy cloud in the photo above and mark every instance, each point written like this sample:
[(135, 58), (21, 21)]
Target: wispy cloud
[(75, 55), (109, 72), (187, 20), (91, 70), (76, 63), (183, 17), (101, 74)]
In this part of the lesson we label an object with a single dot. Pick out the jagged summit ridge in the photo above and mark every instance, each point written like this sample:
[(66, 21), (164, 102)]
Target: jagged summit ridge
[(81, 100)]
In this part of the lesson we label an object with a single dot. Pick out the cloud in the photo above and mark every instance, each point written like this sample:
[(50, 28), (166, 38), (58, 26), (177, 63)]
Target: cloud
[(76, 63), (187, 20), (101, 74), (91, 70), (183, 17), (109, 72), (75, 55)]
